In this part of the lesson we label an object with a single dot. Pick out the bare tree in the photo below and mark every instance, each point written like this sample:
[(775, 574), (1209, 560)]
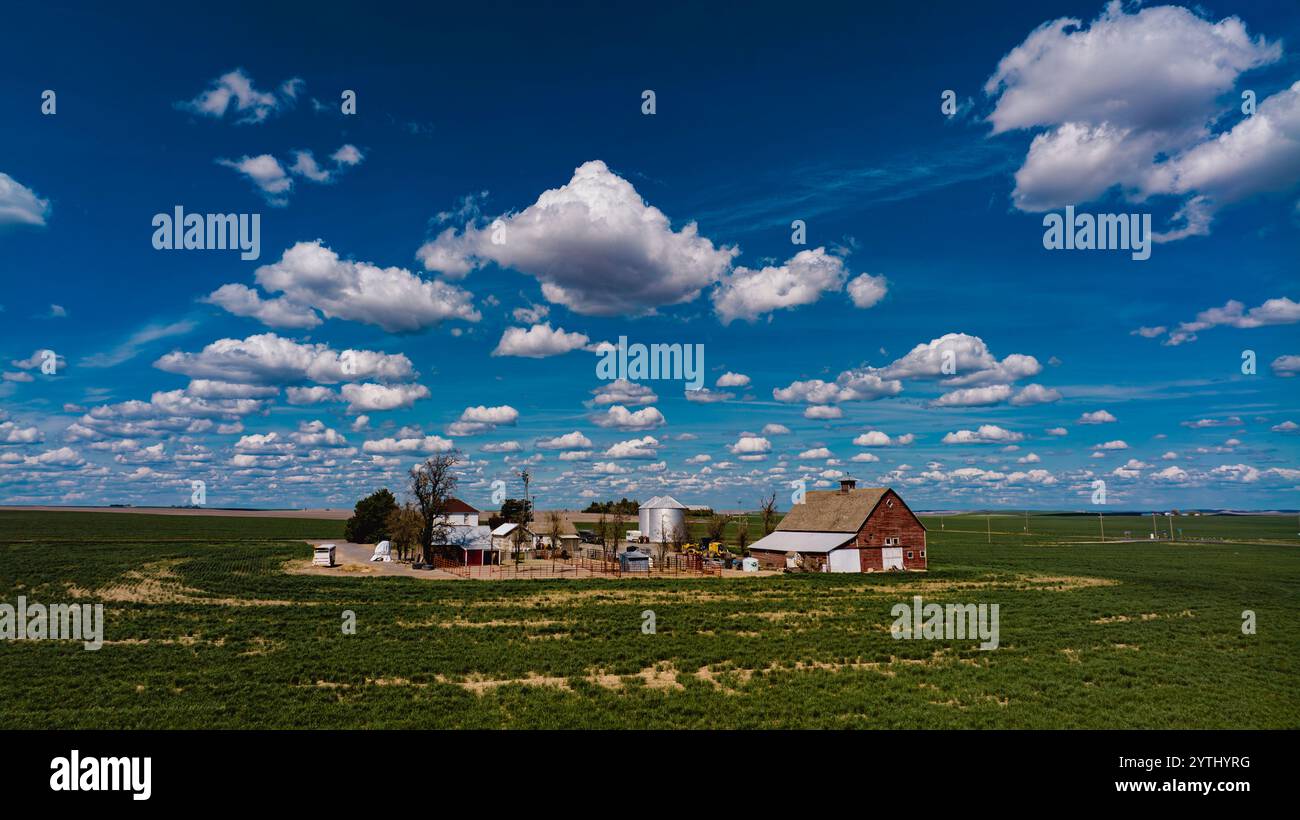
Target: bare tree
[(679, 536), (432, 484), (618, 527), (767, 506), (716, 527), (520, 536), (742, 534), (555, 527), (661, 549), (602, 530)]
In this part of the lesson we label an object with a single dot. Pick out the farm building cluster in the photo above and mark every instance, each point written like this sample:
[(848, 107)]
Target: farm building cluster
[(846, 530), (467, 542)]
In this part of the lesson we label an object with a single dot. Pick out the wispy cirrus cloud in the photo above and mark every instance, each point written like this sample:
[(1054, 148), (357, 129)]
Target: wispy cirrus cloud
[(131, 347)]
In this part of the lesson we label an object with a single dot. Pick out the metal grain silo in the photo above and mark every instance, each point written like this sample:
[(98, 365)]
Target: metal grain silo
[(643, 515), (660, 517)]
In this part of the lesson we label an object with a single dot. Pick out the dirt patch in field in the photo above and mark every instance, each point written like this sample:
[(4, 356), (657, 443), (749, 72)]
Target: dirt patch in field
[(663, 676), (1039, 583), (461, 623), (659, 676), (1145, 616), (183, 640), (480, 685), (562, 598), (158, 583), (262, 646), (728, 679), (777, 616)]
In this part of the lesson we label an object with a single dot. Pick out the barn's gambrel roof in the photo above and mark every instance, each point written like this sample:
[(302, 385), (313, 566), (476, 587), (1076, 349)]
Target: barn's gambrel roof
[(833, 511)]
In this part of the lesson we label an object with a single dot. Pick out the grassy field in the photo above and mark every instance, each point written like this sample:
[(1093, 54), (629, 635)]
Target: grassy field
[(80, 526), (205, 629)]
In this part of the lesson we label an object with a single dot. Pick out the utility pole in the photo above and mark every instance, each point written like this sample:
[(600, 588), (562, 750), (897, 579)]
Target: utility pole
[(1171, 528), (1102, 522), (1026, 522), (527, 513), (1153, 525), (988, 521)]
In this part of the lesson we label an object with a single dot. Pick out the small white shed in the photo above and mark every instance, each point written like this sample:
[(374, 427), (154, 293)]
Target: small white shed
[(323, 555)]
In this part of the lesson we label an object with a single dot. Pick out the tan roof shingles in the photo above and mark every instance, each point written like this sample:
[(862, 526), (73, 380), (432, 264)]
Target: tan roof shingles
[(832, 510)]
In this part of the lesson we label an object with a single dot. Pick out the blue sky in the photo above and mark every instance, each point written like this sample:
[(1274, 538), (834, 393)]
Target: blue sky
[(924, 245)]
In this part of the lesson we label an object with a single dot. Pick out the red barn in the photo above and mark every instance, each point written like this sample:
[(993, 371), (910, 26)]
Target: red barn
[(846, 530)]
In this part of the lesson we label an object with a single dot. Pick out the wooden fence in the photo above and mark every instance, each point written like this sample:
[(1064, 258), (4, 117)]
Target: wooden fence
[(583, 566)]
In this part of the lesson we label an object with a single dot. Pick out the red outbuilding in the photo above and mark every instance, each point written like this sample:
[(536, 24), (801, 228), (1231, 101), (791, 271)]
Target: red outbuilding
[(846, 530)]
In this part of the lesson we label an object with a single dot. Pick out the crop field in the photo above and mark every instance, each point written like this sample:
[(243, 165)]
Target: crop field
[(80, 526), (206, 629)]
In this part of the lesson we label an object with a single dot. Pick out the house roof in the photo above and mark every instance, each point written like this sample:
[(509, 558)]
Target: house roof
[(780, 541), (506, 529), (832, 510), (455, 505), (468, 537)]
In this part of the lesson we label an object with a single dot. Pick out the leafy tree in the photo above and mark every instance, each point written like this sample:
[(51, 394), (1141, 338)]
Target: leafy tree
[(517, 510), (742, 534), (405, 524), (369, 521), (625, 506)]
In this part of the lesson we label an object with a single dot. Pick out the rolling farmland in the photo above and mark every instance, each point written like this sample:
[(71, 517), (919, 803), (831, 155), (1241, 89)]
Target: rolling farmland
[(204, 628)]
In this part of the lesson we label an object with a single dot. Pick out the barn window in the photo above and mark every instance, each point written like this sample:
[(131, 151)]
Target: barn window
[(892, 541), (909, 555), (889, 503), (922, 553)]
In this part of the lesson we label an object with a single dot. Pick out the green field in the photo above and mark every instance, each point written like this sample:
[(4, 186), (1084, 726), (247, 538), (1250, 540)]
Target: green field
[(82, 527), (210, 632)]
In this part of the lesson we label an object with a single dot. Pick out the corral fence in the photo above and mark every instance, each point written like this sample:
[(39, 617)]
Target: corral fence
[(592, 565)]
